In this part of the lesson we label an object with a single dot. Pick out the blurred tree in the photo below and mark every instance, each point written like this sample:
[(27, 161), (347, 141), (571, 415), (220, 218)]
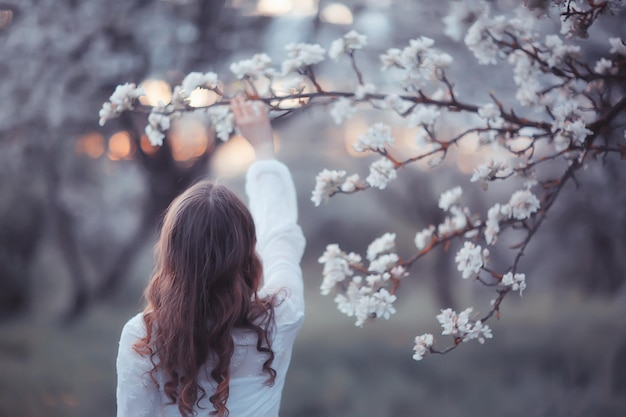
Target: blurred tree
[(62, 59)]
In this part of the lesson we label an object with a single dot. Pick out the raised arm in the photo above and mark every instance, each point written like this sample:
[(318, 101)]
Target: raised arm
[(272, 201)]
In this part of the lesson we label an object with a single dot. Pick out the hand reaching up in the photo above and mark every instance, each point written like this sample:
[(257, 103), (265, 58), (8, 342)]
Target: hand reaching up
[(253, 121)]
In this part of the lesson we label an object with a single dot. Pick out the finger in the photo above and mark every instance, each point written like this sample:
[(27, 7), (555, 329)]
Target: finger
[(235, 105)]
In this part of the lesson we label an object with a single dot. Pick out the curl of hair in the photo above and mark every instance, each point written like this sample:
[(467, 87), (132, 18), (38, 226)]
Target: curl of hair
[(204, 285)]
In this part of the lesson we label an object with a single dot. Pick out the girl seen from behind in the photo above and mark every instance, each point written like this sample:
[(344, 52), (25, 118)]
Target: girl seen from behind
[(225, 302)]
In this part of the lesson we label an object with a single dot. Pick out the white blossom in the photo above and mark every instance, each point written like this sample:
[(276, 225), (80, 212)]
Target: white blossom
[(381, 172), (460, 13), (495, 214), (569, 124), (194, 80), (255, 67), (385, 243), (374, 280), (422, 346), (157, 124), (222, 120), (604, 66), (479, 331), (347, 302), (479, 38), (336, 268), (453, 223), (327, 182), (421, 64), (396, 103), (370, 306), (423, 115), (488, 172), (556, 51), (383, 263), (125, 95), (351, 183), (301, 55), (490, 113), (383, 306), (450, 198), (469, 260), (342, 109), (517, 282), (398, 272), (617, 46), (107, 112), (525, 76), (424, 237), (349, 42), (122, 99), (454, 324), (523, 204), (578, 131), (392, 58), (561, 142), (362, 90), (461, 326), (375, 138)]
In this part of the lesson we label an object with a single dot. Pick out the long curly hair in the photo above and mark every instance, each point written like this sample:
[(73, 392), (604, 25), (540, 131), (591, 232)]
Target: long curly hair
[(204, 285)]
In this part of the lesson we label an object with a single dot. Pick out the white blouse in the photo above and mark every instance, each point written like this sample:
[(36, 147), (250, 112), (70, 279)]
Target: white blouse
[(280, 244)]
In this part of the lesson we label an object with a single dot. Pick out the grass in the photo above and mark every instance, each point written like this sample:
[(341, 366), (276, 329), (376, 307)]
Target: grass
[(546, 359)]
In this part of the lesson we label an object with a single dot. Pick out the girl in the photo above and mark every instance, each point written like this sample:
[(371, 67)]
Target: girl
[(226, 299)]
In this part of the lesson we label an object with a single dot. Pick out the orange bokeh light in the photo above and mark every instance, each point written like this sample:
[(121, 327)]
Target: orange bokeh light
[(189, 139), (90, 144), (146, 146), (233, 157), (120, 146), (156, 90)]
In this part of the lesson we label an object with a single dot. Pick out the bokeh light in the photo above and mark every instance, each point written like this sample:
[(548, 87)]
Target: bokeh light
[(156, 90), (189, 139), (284, 7), (232, 158), (274, 7), (336, 14), (90, 144), (146, 146), (201, 97), (120, 146)]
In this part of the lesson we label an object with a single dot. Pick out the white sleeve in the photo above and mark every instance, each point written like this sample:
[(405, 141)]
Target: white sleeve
[(137, 394), (280, 242)]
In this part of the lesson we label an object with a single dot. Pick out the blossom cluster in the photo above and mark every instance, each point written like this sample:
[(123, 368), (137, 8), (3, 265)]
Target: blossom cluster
[(348, 43), (458, 325), (362, 292), (522, 205), (517, 282), (122, 99), (420, 64), (561, 105), (382, 171)]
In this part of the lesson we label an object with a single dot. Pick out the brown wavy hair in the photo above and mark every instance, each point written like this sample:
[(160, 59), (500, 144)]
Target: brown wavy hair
[(205, 284)]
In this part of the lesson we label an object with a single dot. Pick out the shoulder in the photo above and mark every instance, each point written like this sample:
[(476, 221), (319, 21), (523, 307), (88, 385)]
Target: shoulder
[(134, 328)]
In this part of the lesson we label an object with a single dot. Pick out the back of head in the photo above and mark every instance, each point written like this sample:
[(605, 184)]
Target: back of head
[(205, 281), (206, 249)]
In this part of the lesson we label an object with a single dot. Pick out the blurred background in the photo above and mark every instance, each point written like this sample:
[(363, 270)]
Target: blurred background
[(80, 205)]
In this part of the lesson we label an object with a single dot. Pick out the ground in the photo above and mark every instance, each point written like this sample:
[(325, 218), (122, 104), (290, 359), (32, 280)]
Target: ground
[(550, 356)]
